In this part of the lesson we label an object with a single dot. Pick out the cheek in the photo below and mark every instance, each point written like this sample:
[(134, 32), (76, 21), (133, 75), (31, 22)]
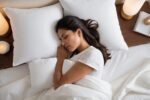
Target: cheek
[(75, 41)]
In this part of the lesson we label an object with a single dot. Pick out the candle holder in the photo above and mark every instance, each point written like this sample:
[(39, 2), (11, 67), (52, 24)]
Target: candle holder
[(4, 26), (131, 8), (147, 20), (4, 47), (125, 16)]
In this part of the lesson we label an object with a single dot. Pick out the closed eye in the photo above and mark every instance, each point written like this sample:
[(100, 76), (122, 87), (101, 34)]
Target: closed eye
[(65, 37)]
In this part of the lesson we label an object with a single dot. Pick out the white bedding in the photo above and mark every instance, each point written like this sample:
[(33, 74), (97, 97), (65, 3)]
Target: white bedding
[(12, 74), (88, 91), (125, 61), (116, 71), (136, 85), (20, 90)]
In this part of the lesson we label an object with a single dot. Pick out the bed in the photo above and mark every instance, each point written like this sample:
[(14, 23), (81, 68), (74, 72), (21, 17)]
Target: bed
[(117, 71), (127, 71), (126, 28)]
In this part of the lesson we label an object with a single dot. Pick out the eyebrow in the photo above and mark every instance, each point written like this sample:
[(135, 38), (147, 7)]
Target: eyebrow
[(61, 36)]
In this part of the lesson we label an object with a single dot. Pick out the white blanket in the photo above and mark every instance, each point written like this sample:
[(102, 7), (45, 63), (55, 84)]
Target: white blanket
[(136, 85), (85, 89), (15, 82)]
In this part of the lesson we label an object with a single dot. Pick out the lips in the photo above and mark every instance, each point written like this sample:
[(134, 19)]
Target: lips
[(67, 47)]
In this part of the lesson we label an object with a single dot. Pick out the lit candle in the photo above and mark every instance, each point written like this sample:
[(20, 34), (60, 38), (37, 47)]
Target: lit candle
[(131, 8), (147, 20), (4, 47), (3, 25)]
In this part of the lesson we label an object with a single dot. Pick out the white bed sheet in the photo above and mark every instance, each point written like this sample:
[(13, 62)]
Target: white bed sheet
[(123, 62), (12, 74)]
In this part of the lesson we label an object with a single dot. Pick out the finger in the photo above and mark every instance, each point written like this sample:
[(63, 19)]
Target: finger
[(56, 79)]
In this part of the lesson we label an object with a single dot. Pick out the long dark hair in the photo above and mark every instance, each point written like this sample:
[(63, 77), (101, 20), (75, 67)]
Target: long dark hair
[(88, 28)]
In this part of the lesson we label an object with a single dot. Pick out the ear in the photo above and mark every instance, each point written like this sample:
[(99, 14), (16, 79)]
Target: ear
[(79, 32)]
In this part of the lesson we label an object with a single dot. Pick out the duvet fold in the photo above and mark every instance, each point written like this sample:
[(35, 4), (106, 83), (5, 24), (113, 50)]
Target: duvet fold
[(137, 84), (88, 88)]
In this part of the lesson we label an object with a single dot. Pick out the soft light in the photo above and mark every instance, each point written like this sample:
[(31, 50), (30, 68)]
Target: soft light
[(3, 25), (147, 20), (131, 8), (4, 47)]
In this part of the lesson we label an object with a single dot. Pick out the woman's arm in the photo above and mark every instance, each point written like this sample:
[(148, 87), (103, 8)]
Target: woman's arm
[(59, 65), (58, 71), (77, 72), (61, 55)]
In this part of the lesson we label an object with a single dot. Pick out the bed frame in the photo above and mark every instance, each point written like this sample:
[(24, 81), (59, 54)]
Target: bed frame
[(132, 38)]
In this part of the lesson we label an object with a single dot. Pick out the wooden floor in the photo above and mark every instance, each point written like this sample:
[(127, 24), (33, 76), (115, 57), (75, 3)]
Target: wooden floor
[(132, 38)]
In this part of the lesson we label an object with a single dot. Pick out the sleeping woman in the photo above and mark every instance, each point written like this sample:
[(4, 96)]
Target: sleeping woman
[(79, 43)]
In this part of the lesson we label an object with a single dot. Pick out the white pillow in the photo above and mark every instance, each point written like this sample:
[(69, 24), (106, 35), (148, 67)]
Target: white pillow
[(33, 32), (41, 73), (104, 12), (26, 3)]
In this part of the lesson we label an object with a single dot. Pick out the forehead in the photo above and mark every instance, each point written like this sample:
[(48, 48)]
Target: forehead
[(62, 32)]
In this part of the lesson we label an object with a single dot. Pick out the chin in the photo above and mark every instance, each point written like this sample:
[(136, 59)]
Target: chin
[(71, 49)]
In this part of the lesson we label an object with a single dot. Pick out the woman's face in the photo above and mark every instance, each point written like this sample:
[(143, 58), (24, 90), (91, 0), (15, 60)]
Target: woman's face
[(69, 39)]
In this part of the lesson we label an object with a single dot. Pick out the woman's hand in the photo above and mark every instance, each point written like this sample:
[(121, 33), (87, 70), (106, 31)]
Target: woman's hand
[(57, 77), (62, 53), (59, 83)]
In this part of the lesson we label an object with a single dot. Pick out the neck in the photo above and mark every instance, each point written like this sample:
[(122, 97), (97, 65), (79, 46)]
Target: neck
[(83, 46)]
